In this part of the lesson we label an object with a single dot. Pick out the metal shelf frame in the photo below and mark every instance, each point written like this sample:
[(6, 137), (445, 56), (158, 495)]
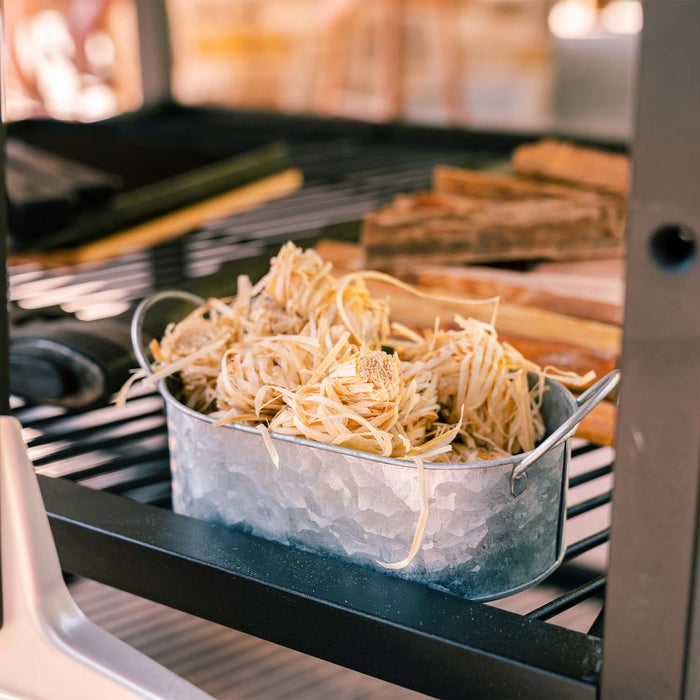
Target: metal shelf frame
[(437, 643), (393, 629), (652, 625)]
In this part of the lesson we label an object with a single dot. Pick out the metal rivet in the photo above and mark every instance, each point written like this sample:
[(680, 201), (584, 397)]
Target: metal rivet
[(518, 485)]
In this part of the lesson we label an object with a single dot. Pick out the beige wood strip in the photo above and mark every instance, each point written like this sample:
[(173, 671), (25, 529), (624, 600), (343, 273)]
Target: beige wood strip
[(586, 167), (521, 288), (448, 179), (512, 319), (599, 425)]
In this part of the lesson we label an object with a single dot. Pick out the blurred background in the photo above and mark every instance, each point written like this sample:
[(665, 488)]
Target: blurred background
[(525, 65), (181, 196)]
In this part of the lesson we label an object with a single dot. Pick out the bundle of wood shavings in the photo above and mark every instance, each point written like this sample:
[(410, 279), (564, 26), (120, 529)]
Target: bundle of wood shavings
[(302, 353)]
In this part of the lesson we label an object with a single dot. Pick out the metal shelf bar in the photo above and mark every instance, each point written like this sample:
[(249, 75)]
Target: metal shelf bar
[(652, 624), (584, 449), (588, 505), (591, 475), (82, 433), (568, 600), (587, 544), (387, 627), (103, 444)]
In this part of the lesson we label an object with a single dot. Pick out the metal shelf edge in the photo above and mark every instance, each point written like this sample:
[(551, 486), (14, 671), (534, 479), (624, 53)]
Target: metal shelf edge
[(393, 629)]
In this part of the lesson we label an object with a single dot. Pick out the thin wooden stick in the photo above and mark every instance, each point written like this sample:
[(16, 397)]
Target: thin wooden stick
[(178, 222), (513, 319)]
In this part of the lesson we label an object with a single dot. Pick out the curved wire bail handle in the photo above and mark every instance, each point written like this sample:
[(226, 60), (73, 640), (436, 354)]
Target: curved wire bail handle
[(140, 314), (586, 403)]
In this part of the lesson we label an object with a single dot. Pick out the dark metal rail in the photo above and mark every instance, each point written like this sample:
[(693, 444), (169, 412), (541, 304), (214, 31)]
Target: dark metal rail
[(378, 624), (569, 599), (589, 504), (373, 622)]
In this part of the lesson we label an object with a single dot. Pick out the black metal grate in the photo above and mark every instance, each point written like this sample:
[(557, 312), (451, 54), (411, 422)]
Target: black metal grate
[(125, 451)]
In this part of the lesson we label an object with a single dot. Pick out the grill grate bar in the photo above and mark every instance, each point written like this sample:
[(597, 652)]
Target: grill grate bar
[(278, 231), (584, 449), (568, 600), (591, 475), (81, 433), (127, 270), (142, 474), (588, 505), (586, 544), (105, 443), (24, 414), (258, 229), (300, 206), (117, 464), (61, 414)]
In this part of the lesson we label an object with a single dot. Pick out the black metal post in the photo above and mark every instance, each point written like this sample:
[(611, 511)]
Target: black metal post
[(4, 278), (652, 623), (154, 50)]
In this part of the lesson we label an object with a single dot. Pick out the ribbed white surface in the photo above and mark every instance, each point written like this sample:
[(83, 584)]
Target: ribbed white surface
[(225, 663)]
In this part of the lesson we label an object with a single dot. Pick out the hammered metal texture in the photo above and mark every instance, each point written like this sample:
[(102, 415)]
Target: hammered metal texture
[(480, 541)]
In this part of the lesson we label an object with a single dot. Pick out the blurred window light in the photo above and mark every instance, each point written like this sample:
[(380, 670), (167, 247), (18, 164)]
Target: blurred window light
[(572, 19), (50, 32), (97, 102), (622, 17), (71, 59), (100, 52), (108, 309)]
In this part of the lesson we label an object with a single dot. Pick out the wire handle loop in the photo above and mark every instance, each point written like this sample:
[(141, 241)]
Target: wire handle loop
[(586, 403), (140, 314)]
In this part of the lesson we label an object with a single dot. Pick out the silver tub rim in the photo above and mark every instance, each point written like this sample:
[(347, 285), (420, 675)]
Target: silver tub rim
[(512, 460)]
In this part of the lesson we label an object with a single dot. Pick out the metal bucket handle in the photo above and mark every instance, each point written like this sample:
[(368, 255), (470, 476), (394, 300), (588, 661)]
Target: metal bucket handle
[(586, 403), (140, 314)]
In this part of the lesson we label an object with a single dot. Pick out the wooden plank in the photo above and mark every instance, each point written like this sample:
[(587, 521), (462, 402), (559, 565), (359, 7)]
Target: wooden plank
[(583, 296), (438, 228), (480, 184), (573, 297), (587, 167), (572, 358), (512, 319), (546, 339), (599, 425), (570, 284), (574, 345)]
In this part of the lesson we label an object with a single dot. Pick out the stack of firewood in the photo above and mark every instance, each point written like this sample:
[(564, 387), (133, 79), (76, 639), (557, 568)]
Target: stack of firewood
[(561, 202)]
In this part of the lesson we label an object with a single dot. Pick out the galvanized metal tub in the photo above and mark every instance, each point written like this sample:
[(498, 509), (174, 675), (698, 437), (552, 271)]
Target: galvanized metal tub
[(494, 528)]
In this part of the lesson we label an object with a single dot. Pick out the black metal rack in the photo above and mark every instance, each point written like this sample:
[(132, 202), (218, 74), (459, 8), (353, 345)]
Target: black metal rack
[(374, 623), (396, 630)]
